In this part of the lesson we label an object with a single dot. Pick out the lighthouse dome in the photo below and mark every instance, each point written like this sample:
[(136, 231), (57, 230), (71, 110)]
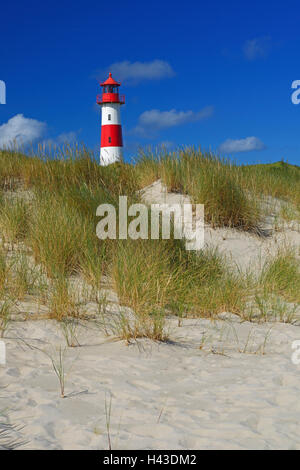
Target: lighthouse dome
[(110, 81)]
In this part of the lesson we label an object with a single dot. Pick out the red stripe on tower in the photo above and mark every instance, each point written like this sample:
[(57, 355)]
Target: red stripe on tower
[(111, 135), (111, 130)]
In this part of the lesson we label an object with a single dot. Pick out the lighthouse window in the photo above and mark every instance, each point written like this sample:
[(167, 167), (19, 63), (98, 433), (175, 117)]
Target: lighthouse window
[(109, 117), (109, 140)]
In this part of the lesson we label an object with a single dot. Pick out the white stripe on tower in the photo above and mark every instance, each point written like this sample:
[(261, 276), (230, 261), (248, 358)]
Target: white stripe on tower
[(111, 114), (110, 155)]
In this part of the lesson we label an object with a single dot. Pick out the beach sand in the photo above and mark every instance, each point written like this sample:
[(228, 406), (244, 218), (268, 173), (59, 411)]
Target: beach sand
[(216, 384), (239, 391)]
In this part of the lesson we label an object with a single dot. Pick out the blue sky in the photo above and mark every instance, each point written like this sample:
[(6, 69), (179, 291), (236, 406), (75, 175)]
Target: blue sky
[(216, 74)]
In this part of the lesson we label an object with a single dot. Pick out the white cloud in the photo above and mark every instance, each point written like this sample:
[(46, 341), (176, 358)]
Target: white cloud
[(155, 120), (243, 145), (135, 72), (257, 48), (20, 131)]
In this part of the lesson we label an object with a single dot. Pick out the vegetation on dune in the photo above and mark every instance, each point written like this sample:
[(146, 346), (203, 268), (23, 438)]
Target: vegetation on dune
[(281, 275), (14, 217), (207, 180), (232, 194), (153, 277), (280, 180)]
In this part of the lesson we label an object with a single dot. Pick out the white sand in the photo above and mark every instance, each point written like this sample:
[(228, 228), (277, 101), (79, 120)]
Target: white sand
[(244, 250), (239, 391), (164, 396)]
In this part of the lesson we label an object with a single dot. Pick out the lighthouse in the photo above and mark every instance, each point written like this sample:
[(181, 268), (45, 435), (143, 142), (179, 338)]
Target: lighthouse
[(111, 129)]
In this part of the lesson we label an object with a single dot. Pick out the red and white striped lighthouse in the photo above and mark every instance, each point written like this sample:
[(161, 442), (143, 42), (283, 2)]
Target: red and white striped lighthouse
[(111, 129)]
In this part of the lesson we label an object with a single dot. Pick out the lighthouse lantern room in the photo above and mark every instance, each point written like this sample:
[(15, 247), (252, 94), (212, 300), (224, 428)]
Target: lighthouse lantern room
[(111, 129)]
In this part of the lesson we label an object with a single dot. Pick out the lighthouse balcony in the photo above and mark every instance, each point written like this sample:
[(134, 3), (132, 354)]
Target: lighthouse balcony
[(110, 98)]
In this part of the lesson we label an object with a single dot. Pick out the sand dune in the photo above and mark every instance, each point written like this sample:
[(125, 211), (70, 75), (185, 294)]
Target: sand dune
[(217, 384), (240, 391), (244, 250)]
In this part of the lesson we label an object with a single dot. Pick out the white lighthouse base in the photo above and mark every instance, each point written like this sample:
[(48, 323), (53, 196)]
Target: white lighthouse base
[(110, 155)]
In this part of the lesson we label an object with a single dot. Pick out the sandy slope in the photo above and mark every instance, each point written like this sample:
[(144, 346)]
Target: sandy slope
[(244, 250), (164, 396), (214, 385)]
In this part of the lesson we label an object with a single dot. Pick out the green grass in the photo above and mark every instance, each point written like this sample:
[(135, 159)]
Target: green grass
[(232, 194), (158, 274), (153, 277), (57, 234), (279, 180), (281, 275), (14, 219), (208, 180), (62, 301)]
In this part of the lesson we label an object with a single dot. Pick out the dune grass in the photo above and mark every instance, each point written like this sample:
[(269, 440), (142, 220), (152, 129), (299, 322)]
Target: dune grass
[(281, 275), (160, 274), (5, 316), (279, 180), (4, 270), (62, 300), (153, 277), (232, 194), (14, 220), (208, 180), (57, 235)]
